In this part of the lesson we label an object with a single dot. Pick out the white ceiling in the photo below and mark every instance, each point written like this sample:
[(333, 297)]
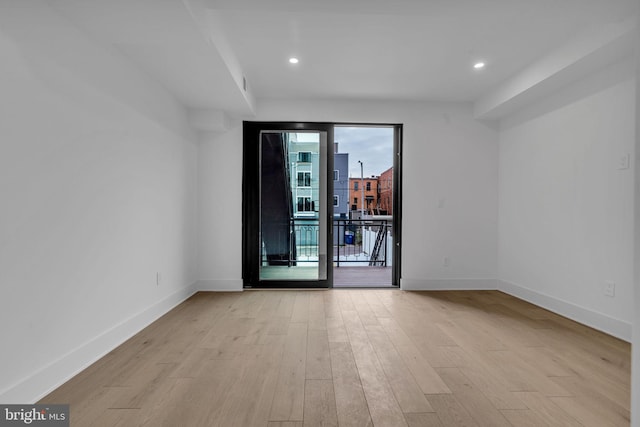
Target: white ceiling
[(398, 49), (348, 49)]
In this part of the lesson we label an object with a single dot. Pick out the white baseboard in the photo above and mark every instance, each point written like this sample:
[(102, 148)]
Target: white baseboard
[(47, 379), (447, 284), (602, 322), (227, 285)]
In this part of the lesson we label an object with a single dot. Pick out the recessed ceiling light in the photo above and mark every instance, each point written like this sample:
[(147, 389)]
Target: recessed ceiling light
[(479, 65), (293, 60)]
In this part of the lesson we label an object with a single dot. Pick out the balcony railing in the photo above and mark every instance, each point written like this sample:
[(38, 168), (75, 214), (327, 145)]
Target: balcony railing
[(355, 242), (362, 241)]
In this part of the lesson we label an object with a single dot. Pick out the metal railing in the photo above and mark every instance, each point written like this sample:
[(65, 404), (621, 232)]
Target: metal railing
[(362, 241), (306, 233)]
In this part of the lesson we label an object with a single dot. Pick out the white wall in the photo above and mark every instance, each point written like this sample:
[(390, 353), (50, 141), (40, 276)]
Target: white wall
[(565, 209), (98, 187), (635, 348), (220, 211), (449, 160)]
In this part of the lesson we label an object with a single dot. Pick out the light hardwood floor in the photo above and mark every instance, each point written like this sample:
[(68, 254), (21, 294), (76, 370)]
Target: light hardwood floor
[(356, 358)]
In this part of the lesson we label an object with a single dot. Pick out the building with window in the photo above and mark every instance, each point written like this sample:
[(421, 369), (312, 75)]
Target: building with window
[(370, 186), (340, 191), (304, 168), (340, 183)]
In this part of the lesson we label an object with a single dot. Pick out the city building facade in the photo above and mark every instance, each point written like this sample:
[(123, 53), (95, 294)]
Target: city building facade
[(366, 188), (385, 192)]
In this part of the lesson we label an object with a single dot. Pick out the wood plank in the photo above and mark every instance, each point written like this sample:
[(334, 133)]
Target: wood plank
[(249, 399), (376, 305), (441, 356), (317, 317), (426, 377), (470, 334), (331, 305), (544, 360), (367, 316), (450, 411), (300, 308), (229, 348), (589, 416), (278, 325), (248, 306), (428, 419), (546, 410), (91, 409), (285, 307), (479, 407), (187, 401), (344, 300), (351, 404), (523, 418), (524, 376), (115, 418), (336, 331), (383, 407), (288, 401), (591, 401), (318, 366), (135, 396), (405, 388), (420, 324), (320, 404), (491, 382)]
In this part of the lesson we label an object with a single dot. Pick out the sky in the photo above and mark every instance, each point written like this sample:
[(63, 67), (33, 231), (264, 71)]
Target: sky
[(372, 145)]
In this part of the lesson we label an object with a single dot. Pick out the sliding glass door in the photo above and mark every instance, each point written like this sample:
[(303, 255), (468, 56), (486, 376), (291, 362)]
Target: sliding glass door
[(285, 204)]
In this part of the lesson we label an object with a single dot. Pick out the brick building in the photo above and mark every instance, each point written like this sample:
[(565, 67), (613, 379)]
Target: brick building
[(385, 192), (370, 194)]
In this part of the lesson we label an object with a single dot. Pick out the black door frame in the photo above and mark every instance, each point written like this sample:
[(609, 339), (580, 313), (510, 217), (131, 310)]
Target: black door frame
[(397, 204), (251, 200), (251, 203)]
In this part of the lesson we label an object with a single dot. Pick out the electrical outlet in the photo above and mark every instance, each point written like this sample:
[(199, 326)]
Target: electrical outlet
[(446, 261), (609, 288), (158, 279), (624, 162)]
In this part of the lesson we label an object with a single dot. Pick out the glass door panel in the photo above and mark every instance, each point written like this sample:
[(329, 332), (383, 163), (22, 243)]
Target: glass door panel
[(292, 207)]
